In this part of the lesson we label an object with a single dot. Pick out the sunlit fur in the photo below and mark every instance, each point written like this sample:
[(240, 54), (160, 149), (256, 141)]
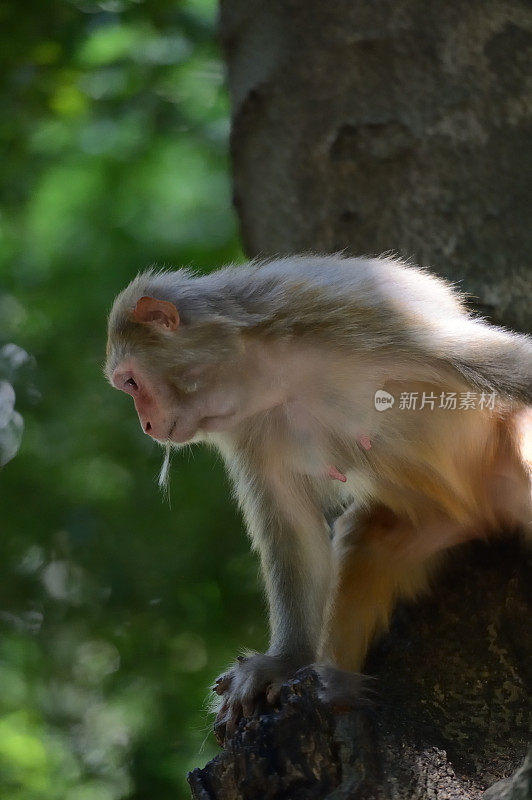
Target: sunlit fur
[(298, 347)]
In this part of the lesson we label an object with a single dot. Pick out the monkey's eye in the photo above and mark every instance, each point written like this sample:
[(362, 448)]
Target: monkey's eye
[(131, 382)]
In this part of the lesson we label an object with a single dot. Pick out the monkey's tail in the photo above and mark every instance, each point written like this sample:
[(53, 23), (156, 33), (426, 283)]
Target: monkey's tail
[(495, 360)]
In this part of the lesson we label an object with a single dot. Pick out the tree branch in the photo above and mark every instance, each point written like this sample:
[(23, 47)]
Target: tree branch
[(449, 716)]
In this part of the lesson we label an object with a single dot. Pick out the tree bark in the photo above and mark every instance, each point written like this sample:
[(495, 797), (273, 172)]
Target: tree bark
[(388, 125), (449, 705), (369, 127)]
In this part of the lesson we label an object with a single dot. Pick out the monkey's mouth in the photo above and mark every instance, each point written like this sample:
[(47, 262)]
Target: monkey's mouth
[(172, 429), (180, 435)]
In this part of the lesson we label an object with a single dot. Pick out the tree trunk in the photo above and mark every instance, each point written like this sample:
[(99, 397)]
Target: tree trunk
[(388, 125), (368, 127)]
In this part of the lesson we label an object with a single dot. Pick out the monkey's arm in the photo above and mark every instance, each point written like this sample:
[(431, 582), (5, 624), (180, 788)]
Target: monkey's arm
[(290, 533)]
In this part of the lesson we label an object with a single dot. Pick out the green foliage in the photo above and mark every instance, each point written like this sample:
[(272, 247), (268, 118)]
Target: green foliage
[(116, 611)]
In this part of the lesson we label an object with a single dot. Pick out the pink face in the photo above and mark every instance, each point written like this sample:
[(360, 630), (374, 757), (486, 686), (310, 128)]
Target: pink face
[(153, 420), (155, 402), (169, 412), (202, 398), (168, 415)]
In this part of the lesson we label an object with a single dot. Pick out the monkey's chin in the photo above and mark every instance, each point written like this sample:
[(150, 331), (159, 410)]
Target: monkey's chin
[(181, 434), (184, 437), (222, 422)]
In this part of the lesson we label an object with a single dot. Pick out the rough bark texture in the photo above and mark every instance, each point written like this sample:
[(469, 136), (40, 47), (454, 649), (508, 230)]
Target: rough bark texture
[(388, 125), (396, 125), (449, 713)]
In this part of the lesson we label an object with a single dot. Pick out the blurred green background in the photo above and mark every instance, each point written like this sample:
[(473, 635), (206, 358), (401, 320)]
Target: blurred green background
[(116, 611)]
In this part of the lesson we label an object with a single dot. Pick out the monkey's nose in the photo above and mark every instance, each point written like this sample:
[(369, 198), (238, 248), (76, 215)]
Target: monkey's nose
[(145, 424)]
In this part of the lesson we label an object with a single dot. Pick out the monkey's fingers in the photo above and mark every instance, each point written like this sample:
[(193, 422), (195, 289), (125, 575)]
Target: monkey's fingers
[(251, 707), (222, 684), (220, 723), (273, 693), (223, 712), (342, 689), (234, 718), (220, 733)]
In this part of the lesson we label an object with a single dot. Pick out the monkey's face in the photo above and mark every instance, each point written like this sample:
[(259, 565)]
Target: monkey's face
[(185, 380)]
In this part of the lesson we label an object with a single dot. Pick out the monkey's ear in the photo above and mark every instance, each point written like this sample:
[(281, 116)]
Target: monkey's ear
[(150, 311)]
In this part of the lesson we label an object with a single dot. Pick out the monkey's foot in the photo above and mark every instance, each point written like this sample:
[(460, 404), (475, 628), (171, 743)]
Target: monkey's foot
[(340, 688), (251, 683)]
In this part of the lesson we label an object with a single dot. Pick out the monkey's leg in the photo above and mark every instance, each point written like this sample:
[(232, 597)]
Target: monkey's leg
[(377, 560), (291, 536)]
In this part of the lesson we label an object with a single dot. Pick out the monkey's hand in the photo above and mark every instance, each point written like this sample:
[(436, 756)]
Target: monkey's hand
[(252, 682)]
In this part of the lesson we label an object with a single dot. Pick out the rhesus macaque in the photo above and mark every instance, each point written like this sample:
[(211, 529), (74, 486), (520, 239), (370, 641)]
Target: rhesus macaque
[(349, 388)]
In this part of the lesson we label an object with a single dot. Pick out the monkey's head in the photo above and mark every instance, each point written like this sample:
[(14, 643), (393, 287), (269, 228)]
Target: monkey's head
[(181, 358)]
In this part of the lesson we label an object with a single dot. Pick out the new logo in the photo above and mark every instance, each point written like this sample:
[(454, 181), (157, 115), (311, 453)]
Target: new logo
[(383, 400)]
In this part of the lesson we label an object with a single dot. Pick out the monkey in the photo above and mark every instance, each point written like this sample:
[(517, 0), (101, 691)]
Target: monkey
[(369, 423)]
